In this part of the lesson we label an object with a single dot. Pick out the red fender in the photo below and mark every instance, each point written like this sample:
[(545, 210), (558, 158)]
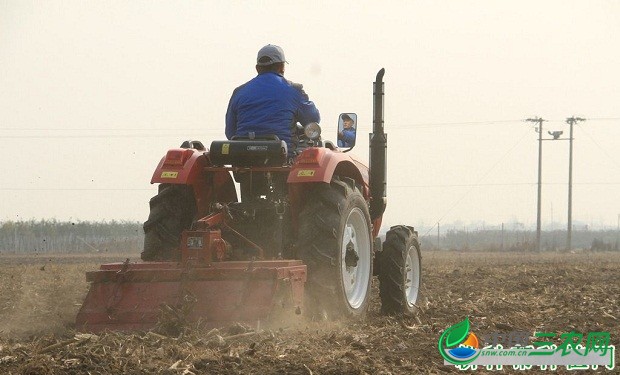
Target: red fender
[(179, 166), (319, 165), (185, 166)]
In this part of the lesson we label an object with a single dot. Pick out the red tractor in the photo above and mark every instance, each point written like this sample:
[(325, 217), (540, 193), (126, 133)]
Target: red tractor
[(307, 223)]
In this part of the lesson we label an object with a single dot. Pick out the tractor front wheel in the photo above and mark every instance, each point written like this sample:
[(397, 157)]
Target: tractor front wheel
[(172, 211), (399, 271), (335, 244)]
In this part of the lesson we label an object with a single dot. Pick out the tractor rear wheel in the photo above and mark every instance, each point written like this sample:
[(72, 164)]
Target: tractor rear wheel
[(172, 210), (335, 244), (399, 271)]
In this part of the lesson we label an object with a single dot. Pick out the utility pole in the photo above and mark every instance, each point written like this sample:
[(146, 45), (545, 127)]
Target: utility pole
[(569, 234), (538, 121), (437, 236), (618, 234), (502, 236)]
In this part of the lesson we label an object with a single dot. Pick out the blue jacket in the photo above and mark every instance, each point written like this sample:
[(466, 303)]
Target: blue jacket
[(347, 139), (269, 104)]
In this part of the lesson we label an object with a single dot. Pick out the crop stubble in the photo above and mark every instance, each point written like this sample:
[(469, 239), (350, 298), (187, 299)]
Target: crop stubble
[(39, 297)]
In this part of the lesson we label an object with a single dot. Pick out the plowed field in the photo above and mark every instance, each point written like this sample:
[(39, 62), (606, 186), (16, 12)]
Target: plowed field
[(40, 296)]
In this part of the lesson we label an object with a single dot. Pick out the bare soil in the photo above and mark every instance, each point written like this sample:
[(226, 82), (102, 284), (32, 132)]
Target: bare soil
[(40, 296)]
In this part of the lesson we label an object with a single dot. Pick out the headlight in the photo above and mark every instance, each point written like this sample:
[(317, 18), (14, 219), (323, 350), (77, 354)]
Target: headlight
[(312, 131)]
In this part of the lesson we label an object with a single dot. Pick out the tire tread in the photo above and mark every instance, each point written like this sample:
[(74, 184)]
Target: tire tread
[(392, 272)]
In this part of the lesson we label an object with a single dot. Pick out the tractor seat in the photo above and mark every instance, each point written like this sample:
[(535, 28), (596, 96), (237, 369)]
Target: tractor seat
[(264, 151)]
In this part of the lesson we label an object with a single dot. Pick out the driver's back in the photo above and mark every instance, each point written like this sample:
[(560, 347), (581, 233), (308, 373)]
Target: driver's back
[(268, 104)]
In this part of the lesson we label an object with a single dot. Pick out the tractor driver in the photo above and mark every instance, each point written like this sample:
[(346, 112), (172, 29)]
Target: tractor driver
[(269, 103), (346, 137)]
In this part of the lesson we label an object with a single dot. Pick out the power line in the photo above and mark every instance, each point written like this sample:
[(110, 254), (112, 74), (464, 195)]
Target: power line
[(501, 184), (73, 189), (599, 146), (389, 187), (432, 124), (100, 129), (202, 130), (99, 136), (421, 123), (501, 159)]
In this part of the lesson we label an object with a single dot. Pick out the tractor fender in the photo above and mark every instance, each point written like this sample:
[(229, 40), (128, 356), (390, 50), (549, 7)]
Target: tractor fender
[(179, 166), (302, 176), (184, 166), (321, 164)]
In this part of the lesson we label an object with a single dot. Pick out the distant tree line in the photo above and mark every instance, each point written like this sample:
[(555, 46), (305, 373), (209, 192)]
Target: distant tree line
[(522, 240), (52, 236)]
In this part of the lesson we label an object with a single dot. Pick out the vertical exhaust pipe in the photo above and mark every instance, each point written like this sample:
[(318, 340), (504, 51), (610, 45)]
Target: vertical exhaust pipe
[(378, 152)]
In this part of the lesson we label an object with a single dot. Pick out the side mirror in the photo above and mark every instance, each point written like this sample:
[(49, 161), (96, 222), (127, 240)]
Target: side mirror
[(347, 130)]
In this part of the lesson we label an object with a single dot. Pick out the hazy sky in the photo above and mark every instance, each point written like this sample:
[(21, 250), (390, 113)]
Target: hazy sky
[(93, 93)]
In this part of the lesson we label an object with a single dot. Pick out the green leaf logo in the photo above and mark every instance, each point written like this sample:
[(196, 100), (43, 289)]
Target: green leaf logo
[(457, 333), (453, 336)]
